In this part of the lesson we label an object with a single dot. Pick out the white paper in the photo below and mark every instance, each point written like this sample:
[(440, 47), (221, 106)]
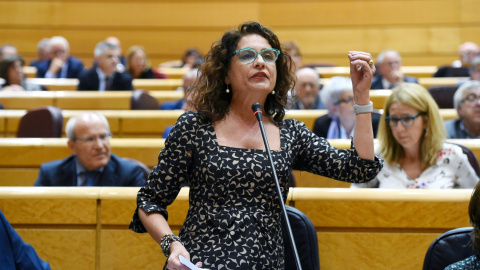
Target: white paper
[(188, 264)]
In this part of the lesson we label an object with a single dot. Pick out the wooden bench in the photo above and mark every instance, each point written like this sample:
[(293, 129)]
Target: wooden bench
[(356, 229), (21, 158), (416, 71), (71, 84)]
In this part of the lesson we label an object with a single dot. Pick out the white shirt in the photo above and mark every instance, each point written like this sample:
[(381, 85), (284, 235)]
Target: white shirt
[(452, 170)]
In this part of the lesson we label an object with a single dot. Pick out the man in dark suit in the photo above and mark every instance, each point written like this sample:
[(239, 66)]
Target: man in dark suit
[(91, 164), (61, 64), (103, 76), (389, 64)]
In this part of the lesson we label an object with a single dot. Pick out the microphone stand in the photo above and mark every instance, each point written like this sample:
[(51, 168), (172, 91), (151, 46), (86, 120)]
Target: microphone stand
[(257, 109)]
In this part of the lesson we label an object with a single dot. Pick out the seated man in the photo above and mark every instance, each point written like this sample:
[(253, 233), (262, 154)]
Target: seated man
[(14, 253), (188, 79), (389, 65), (91, 164), (467, 102), (61, 64), (460, 68), (104, 76), (7, 50), (307, 89)]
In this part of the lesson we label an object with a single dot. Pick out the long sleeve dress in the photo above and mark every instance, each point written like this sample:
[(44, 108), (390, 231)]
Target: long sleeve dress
[(233, 221)]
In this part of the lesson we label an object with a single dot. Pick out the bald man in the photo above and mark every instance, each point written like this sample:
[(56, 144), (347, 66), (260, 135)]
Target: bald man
[(307, 89)]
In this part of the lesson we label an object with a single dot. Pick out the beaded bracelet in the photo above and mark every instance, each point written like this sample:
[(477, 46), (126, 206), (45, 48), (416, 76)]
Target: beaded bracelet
[(166, 241)]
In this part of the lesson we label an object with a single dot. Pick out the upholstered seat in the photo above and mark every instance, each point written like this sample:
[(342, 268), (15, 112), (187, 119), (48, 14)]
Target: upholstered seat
[(443, 95), (41, 122), (141, 100)]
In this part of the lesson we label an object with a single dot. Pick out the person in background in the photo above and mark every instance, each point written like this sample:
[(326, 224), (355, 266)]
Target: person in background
[(104, 75), (466, 101), (115, 41), (16, 254), (339, 123), (192, 58), (460, 68), (11, 71), (472, 262), (411, 139), (307, 89), (390, 75), (234, 220), (137, 64), (91, 162), (294, 51), (475, 69), (61, 64), (7, 49), (188, 80), (42, 52)]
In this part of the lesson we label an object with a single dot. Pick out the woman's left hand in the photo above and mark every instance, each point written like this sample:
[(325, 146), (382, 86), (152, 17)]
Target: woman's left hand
[(362, 70)]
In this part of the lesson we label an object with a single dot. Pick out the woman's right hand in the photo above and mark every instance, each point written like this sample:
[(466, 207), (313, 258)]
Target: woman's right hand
[(173, 262)]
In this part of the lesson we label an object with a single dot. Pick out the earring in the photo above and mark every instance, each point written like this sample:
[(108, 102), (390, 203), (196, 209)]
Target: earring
[(228, 90), (273, 92)]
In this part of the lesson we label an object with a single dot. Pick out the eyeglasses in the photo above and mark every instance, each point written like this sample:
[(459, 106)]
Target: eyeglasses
[(93, 139), (470, 99), (407, 121), (345, 100), (249, 55)]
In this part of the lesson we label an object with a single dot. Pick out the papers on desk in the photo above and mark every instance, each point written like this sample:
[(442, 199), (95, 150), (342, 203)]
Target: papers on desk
[(188, 264)]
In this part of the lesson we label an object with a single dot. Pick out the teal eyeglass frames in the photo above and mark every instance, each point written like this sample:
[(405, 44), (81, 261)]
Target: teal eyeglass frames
[(249, 55)]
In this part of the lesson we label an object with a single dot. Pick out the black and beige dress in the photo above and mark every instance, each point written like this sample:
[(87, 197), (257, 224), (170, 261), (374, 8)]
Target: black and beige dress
[(233, 221)]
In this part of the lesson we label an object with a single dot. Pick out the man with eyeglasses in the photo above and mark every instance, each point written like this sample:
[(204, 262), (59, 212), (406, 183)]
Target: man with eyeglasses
[(91, 163), (467, 102), (307, 89), (390, 75)]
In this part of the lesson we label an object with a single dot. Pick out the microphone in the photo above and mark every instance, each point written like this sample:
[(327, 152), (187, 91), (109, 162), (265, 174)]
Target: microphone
[(257, 110)]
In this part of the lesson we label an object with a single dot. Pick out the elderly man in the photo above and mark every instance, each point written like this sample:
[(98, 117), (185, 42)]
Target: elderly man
[(307, 89), (389, 65), (91, 163), (460, 68), (104, 75), (61, 64), (7, 50), (467, 102)]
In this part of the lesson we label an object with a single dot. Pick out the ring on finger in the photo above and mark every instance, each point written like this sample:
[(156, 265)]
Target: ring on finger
[(370, 62)]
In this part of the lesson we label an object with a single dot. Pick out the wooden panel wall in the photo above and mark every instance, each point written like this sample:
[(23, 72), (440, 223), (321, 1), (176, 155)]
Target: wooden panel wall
[(426, 32)]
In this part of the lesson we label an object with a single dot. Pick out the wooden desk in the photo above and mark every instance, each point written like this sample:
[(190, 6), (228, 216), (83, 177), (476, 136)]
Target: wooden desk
[(385, 226), (416, 71), (71, 84), (30, 71)]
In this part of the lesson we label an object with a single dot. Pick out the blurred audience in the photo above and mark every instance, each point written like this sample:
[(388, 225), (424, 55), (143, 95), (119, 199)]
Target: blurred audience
[(61, 64), (467, 103), (192, 58), (307, 89), (7, 49), (294, 51), (11, 71), (411, 139), (42, 52), (115, 41), (91, 162), (339, 123), (138, 65), (390, 75), (188, 80), (104, 75), (16, 254), (460, 68), (474, 70)]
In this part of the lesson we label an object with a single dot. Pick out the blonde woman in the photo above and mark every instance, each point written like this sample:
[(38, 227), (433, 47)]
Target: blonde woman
[(411, 139)]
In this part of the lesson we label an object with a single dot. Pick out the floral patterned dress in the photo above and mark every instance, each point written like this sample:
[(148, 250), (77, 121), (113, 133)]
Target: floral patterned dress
[(233, 221)]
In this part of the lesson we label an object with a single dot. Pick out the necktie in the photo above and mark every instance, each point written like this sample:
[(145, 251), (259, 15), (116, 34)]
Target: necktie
[(90, 177), (107, 83)]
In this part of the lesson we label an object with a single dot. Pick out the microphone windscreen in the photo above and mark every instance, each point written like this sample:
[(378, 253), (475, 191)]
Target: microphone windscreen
[(256, 107)]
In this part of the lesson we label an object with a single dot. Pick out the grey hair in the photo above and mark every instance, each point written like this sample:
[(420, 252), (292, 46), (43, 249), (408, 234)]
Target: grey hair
[(381, 56), (466, 86), (333, 90), (42, 44), (102, 46), (72, 122), (58, 40), (475, 62)]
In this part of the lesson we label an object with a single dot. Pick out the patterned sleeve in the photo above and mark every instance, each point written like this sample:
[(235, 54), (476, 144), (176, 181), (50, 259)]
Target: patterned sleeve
[(167, 177), (465, 176), (315, 154)]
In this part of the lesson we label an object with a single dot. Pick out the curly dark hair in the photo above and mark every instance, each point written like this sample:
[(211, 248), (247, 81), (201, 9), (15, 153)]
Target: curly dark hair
[(474, 215), (7, 62), (211, 99)]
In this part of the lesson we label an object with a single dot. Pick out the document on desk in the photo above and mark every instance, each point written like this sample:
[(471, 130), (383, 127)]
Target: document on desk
[(188, 264)]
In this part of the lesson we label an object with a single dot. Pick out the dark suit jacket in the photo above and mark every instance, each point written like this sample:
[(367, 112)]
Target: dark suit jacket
[(75, 67), (377, 81), (448, 71), (88, 81), (172, 105), (118, 172), (323, 123)]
